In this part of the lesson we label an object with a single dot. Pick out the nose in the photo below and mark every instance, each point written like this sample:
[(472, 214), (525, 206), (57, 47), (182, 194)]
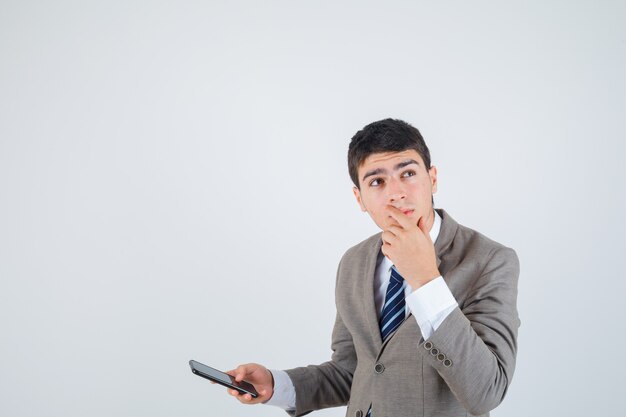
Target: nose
[(395, 191)]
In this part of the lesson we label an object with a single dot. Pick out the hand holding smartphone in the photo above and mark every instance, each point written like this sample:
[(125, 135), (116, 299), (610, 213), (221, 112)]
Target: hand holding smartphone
[(222, 378)]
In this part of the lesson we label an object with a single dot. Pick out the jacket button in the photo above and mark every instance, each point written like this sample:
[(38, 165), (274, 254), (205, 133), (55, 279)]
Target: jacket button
[(441, 357), (447, 363), (379, 368), (434, 351), (428, 346), (358, 413)]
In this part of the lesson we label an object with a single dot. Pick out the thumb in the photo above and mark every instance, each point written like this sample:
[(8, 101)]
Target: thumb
[(240, 373), (422, 226)]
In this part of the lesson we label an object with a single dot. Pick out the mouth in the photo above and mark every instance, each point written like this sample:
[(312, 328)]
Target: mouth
[(406, 211)]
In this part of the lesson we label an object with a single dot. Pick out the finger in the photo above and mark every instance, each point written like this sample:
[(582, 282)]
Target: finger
[(390, 220), (241, 372), (402, 219), (395, 229), (242, 398), (389, 238), (422, 226), (386, 249)]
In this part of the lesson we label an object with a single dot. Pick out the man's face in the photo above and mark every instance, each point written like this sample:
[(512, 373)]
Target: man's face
[(399, 179)]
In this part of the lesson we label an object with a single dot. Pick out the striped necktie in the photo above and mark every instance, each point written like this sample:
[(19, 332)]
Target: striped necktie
[(393, 310)]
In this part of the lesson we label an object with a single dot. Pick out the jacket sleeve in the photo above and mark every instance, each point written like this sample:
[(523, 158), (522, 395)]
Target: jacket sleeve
[(328, 384), (475, 347)]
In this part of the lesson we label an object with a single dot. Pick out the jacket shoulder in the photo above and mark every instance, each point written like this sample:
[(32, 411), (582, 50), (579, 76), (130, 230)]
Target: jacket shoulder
[(463, 245), (471, 237), (455, 236), (359, 257), (363, 248)]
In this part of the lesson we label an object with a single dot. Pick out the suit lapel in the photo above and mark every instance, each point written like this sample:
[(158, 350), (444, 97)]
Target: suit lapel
[(447, 232), (369, 306)]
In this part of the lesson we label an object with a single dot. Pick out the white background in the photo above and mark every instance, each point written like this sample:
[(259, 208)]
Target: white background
[(173, 185)]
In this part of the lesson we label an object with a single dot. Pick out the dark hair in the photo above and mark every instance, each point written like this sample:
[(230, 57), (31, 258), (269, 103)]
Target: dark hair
[(388, 135)]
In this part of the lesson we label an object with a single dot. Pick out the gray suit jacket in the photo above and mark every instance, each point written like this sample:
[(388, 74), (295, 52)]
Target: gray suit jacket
[(464, 368)]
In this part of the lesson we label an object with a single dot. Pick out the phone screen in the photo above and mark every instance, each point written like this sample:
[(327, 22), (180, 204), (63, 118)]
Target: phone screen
[(214, 373), (222, 378)]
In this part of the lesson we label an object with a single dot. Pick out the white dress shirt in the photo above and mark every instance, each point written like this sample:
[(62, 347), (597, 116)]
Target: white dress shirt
[(430, 305)]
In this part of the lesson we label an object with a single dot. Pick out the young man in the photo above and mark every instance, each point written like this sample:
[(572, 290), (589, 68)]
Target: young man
[(422, 328)]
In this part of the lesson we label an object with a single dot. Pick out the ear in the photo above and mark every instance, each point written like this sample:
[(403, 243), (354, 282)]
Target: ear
[(432, 172), (357, 195)]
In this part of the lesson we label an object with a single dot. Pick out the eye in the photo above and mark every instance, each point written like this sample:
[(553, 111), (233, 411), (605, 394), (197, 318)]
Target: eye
[(376, 182), (409, 173)]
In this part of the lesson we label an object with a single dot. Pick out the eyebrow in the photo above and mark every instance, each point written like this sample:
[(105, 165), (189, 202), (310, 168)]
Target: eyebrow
[(399, 166)]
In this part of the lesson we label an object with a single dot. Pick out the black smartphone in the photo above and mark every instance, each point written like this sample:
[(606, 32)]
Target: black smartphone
[(222, 378)]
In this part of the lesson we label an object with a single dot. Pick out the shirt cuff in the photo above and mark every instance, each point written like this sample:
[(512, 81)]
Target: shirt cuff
[(284, 395), (431, 304)]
